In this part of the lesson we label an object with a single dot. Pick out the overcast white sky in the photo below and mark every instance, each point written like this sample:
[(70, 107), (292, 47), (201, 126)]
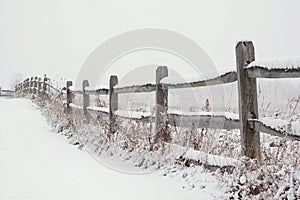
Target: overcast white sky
[(56, 36)]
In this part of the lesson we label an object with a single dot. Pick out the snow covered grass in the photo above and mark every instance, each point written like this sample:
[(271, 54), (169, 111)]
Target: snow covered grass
[(131, 149), (275, 176), (189, 151), (37, 164)]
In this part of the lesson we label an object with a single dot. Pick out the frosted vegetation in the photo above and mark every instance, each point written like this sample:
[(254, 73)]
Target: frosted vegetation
[(185, 153)]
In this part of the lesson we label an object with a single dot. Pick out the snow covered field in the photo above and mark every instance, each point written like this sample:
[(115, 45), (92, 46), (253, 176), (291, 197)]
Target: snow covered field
[(38, 164)]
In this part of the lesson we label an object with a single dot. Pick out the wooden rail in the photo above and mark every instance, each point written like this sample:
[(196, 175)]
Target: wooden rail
[(228, 77), (272, 131), (261, 72), (149, 87), (203, 121), (6, 93), (246, 74)]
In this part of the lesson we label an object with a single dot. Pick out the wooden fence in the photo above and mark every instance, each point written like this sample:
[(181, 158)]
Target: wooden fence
[(246, 74), (35, 85), (6, 93)]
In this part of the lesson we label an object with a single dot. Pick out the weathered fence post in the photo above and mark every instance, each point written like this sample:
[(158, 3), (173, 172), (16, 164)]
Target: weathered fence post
[(20, 88), (35, 84), (85, 100), (24, 87), (45, 84), (248, 107), (31, 84), (113, 103), (39, 84), (161, 101), (69, 96), (27, 85)]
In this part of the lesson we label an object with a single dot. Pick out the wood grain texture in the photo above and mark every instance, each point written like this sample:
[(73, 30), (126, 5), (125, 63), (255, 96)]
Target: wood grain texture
[(247, 94)]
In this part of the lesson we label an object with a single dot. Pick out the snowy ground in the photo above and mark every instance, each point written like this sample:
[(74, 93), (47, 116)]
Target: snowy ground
[(38, 164)]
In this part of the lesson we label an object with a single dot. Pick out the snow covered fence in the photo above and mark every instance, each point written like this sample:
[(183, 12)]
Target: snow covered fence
[(35, 85), (247, 71), (6, 92)]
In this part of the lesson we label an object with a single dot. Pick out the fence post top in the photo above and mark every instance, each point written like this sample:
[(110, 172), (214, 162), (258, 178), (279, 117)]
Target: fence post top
[(69, 83), (161, 68), (245, 53), (85, 83), (113, 77), (161, 72), (245, 44)]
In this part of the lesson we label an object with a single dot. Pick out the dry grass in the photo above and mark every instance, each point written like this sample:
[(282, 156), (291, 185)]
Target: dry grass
[(276, 175)]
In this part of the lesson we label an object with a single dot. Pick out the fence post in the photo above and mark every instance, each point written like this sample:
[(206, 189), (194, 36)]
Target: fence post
[(161, 101), (24, 87), (113, 103), (44, 84), (27, 85), (85, 100), (248, 108), (39, 84), (69, 96), (35, 84), (19, 88), (31, 84)]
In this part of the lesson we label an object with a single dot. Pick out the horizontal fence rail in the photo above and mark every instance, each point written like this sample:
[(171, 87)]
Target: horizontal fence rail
[(247, 121), (261, 72), (136, 88), (227, 77), (101, 91), (272, 131), (97, 92), (203, 121), (6, 93)]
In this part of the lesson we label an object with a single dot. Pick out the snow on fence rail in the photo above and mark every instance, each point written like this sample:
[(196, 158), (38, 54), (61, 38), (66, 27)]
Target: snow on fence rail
[(247, 121), (227, 77), (149, 87)]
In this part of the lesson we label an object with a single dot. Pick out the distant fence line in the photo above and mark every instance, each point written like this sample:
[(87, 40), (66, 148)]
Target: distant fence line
[(35, 85), (7, 93), (248, 121)]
